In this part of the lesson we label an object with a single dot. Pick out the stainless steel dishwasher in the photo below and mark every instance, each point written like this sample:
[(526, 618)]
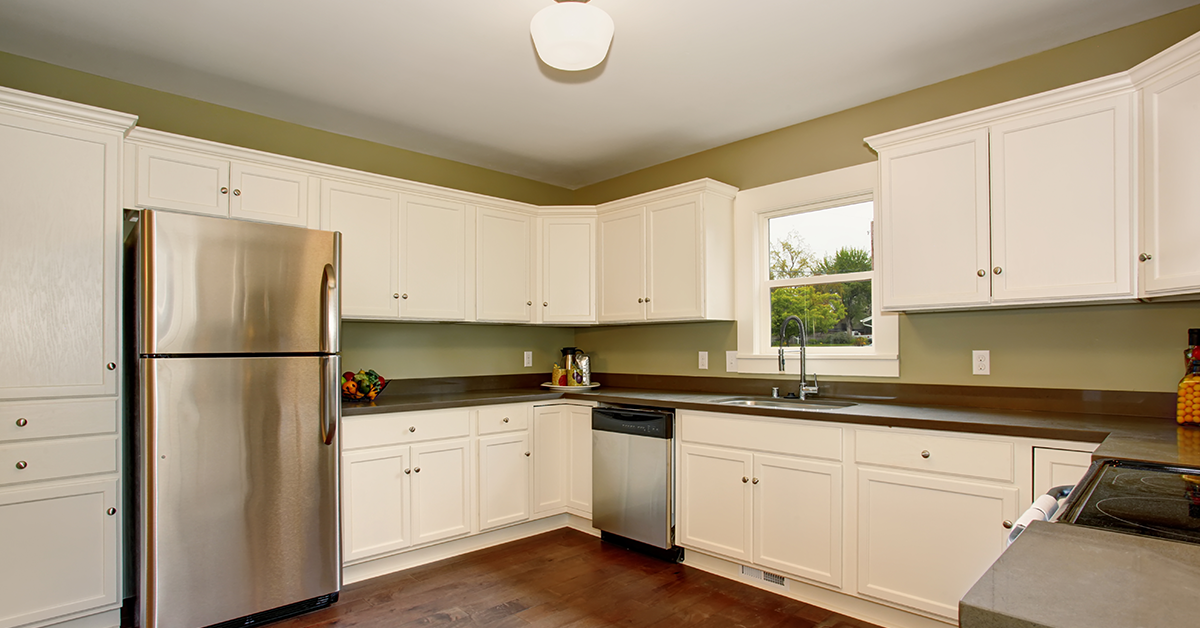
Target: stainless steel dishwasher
[(633, 475)]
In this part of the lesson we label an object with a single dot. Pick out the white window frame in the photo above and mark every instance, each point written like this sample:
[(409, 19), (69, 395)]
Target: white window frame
[(752, 209)]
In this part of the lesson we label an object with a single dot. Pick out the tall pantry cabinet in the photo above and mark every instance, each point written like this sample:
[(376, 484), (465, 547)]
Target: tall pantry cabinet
[(59, 372)]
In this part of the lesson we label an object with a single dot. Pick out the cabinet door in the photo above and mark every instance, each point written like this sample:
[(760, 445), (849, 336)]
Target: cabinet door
[(715, 500), (268, 194), (441, 504), (60, 547), (924, 540), (59, 254), (182, 181), (579, 443), (504, 267), (433, 266), (1062, 204), (622, 266), (369, 221), (798, 517), (1057, 467), (1171, 207), (375, 502), (549, 459), (933, 236), (503, 479), (568, 270), (674, 260)]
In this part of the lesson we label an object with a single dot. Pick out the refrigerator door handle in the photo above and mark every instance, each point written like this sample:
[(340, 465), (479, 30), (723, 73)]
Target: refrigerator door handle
[(331, 389), (331, 316)]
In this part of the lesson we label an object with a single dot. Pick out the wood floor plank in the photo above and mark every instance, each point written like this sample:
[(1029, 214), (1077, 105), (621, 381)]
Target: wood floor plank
[(563, 578)]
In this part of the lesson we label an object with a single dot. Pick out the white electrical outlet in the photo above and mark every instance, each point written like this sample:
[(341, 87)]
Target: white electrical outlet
[(703, 359), (981, 363), (731, 361), (528, 358)]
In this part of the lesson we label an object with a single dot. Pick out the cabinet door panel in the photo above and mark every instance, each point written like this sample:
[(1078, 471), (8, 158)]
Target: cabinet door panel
[(549, 459), (798, 517), (1057, 467), (923, 541), (505, 267), (568, 270), (432, 259), (715, 505), (369, 221), (622, 266), (268, 194), (675, 260), (934, 237), (579, 484), (1061, 204), (182, 181), (375, 502), (441, 490), (59, 254), (60, 547), (503, 480)]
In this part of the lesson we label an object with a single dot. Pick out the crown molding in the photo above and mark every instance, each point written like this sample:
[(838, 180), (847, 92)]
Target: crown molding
[(47, 108)]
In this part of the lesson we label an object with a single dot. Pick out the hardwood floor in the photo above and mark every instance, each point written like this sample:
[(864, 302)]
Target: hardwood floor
[(562, 578)]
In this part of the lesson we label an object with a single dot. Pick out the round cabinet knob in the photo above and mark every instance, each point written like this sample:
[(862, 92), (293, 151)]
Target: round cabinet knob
[(111, 511), (981, 272), (1144, 257), (408, 471), (21, 464), (404, 296), (745, 479), (1007, 524), (925, 454), (754, 481), (237, 192), (412, 428), (396, 295), (505, 420), (545, 304), (997, 270), (22, 422), (224, 190), (529, 303), (527, 454), (640, 300), (416, 469), (112, 366)]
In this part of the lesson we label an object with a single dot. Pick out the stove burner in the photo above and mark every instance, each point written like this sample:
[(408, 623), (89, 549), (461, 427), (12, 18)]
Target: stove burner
[(1144, 499), (1169, 518)]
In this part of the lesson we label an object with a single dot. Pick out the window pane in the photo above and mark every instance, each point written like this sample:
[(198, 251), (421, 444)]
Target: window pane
[(834, 314), (824, 242)]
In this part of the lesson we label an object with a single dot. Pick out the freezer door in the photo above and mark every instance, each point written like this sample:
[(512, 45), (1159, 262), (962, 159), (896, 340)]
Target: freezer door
[(240, 486), (215, 286)]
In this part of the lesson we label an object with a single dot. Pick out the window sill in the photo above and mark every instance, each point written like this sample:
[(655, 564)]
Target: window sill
[(848, 365)]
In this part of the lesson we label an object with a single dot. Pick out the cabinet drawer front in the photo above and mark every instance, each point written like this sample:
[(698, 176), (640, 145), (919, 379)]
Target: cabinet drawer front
[(47, 460), (970, 457), (404, 427), (785, 436), (47, 419), (495, 419)]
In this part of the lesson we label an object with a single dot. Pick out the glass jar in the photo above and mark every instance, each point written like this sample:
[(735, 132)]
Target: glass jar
[(1187, 407)]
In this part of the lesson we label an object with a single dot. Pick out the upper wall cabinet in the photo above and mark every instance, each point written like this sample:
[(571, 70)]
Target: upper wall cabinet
[(369, 219), (669, 256), (504, 265), (433, 258), (205, 184), (1029, 202), (568, 269)]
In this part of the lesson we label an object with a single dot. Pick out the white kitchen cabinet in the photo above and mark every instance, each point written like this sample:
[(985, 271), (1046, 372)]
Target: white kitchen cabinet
[(376, 498), (667, 255), (715, 500), (369, 219), (59, 251), (1170, 212), (441, 490), (61, 549), (579, 460), (550, 455), (568, 269), (204, 184), (504, 479), (798, 517), (504, 266), (1058, 467), (433, 263)]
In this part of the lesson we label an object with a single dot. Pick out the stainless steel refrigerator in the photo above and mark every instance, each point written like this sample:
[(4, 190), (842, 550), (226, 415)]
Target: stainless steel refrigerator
[(236, 440)]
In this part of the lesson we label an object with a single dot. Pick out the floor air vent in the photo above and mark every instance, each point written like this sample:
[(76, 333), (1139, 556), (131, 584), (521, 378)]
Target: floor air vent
[(765, 576)]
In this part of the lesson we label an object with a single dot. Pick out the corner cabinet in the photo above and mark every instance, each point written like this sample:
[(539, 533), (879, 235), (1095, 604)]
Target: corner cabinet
[(667, 255), (567, 265), (504, 265), (562, 460)]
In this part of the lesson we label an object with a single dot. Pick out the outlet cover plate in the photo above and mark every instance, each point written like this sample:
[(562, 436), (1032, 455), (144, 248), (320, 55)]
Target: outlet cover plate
[(981, 362), (731, 361), (528, 358), (703, 359)]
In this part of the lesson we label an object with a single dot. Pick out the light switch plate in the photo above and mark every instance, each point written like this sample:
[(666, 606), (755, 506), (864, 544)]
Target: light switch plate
[(731, 361), (703, 359), (981, 362), (528, 358)]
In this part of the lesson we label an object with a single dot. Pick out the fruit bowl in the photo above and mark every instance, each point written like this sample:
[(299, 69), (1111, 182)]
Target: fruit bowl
[(362, 386)]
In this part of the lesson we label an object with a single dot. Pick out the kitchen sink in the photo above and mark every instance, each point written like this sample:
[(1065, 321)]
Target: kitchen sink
[(786, 404)]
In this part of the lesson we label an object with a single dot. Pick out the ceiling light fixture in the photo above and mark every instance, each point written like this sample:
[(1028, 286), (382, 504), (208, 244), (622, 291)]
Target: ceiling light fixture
[(571, 35)]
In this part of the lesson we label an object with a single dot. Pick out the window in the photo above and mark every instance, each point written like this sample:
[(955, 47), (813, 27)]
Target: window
[(804, 248)]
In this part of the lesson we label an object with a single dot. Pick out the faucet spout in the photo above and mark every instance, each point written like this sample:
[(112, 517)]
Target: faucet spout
[(804, 388)]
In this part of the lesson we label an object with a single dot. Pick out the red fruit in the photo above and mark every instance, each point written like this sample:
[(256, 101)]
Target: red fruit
[(348, 376)]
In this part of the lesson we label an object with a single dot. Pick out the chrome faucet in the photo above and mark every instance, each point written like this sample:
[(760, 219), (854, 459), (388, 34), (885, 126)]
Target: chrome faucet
[(805, 389)]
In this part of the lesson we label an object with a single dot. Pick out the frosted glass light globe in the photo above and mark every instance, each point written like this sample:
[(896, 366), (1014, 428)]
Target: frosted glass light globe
[(571, 35)]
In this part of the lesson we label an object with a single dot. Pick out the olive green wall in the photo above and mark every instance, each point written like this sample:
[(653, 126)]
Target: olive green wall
[(194, 118)]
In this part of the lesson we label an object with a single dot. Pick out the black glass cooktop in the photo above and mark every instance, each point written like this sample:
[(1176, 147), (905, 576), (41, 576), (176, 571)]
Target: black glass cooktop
[(1144, 499)]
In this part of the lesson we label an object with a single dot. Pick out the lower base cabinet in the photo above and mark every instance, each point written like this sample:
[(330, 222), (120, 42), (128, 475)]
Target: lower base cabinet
[(59, 548), (562, 460), (504, 476)]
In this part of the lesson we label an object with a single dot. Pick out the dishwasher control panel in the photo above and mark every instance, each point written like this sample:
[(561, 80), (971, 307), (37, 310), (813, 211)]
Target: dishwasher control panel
[(638, 422)]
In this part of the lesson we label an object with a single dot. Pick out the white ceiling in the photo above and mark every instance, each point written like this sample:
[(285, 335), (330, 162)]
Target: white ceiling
[(460, 79)]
